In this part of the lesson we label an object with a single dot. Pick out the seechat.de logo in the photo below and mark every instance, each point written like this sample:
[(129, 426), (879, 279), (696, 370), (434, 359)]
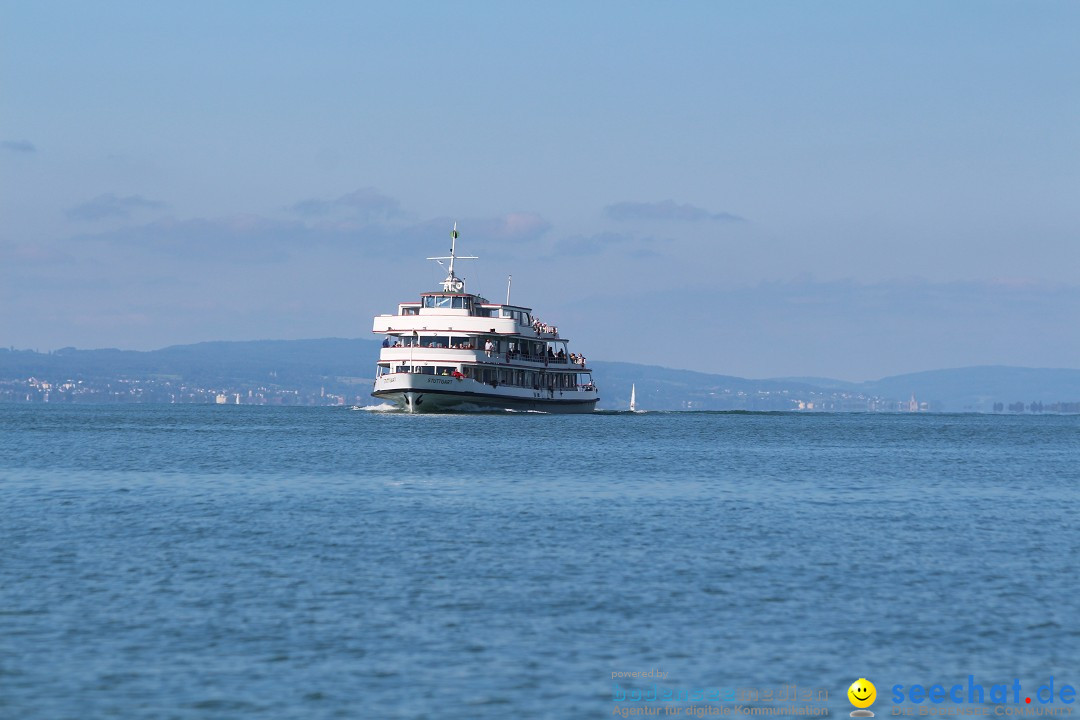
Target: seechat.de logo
[(862, 695)]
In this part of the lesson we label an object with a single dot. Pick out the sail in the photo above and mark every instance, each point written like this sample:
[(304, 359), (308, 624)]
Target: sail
[(633, 398)]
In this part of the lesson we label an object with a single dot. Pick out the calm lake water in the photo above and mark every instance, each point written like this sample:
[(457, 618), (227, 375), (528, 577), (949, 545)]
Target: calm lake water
[(238, 562)]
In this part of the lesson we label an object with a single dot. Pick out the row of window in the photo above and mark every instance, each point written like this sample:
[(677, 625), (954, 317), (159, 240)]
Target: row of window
[(500, 376), (522, 317), (525, 378), (455, 302), (526, 349), (463, 302)]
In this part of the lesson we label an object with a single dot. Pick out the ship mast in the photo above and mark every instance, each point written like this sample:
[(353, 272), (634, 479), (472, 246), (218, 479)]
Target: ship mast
[(453, 283)]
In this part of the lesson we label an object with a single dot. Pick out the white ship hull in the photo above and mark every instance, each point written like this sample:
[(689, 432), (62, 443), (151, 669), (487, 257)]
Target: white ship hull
[(418, 393)]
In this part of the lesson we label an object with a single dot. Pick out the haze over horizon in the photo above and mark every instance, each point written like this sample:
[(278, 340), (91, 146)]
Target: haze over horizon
[(772, 189)]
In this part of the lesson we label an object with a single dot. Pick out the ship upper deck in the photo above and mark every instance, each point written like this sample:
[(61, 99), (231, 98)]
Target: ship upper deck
[(454, 310), (462, 312)]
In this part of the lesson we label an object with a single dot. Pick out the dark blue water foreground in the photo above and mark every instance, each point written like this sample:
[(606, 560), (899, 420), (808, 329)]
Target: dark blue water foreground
[(233, 562)]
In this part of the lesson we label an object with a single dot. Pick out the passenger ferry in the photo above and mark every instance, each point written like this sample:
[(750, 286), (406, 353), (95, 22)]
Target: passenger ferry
[(452, 350)]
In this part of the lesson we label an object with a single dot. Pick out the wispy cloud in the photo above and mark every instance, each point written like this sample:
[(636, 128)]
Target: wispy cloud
[(376, 215), (111, 205), (260, 239), (606, 242), (250, 238), (666, 210), (18, 146), (32, 254), (589, 244), (366, 203), (515, 226)]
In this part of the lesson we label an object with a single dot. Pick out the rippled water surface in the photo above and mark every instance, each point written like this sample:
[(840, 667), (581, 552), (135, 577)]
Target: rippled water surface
[(234, 562)]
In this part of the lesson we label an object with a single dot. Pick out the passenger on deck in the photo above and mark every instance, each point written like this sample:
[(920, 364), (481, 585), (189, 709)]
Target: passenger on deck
[(489, 347), (386, 341)]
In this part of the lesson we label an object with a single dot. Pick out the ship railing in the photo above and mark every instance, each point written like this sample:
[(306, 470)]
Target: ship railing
[(544, 330)]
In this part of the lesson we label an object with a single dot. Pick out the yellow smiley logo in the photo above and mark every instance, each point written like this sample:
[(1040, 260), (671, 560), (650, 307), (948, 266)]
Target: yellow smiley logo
[(862, 693)]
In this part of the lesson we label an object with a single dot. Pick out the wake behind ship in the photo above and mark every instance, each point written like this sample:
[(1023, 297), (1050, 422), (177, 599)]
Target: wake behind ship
[(453, 350)]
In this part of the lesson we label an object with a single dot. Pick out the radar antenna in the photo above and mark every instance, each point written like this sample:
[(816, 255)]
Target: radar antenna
[(453, 283)]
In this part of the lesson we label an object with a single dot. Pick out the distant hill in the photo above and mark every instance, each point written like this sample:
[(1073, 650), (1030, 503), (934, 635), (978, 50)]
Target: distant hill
[(289, 359), (333, 364), (978, 388), (345, 366), (660, 388), (969, 389)]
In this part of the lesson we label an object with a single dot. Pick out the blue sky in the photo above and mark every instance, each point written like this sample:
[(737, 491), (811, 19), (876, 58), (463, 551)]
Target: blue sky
[(844, 189)]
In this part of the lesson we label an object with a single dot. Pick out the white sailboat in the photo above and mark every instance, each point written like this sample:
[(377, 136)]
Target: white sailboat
[(633, 398)]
